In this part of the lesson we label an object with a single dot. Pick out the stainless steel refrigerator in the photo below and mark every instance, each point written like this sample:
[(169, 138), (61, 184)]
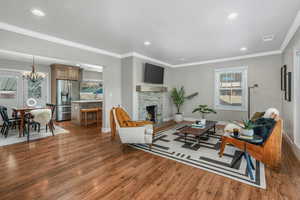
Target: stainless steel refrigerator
[(66, 92)]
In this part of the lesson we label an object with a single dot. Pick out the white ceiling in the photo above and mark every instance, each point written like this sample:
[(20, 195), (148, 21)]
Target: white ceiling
[(196, 30)]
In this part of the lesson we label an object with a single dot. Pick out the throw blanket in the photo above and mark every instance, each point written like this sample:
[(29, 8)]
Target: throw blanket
[(42, 116)]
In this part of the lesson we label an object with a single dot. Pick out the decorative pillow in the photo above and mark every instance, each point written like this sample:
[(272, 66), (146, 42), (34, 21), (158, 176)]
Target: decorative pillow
[(257, 115), (271, 113), (264, 127)]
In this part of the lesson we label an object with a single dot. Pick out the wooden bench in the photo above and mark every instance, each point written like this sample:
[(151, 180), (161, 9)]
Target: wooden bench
[(95, 116)]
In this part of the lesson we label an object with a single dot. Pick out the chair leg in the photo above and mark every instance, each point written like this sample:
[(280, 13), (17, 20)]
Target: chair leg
[(2, 129), (47, 128), (6, 131), (52, 123), (28, 130), (51, 129), (39, 128)]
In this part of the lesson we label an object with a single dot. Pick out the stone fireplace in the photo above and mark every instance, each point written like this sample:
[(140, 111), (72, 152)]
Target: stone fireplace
[(150, 106)]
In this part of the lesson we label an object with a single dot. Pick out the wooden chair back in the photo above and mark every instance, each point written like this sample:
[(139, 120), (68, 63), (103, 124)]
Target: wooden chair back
[(270, 152)]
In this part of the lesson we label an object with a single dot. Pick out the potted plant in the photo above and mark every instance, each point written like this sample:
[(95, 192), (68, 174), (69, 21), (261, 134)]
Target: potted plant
[(178, 97), (204, 110), (248, 127)]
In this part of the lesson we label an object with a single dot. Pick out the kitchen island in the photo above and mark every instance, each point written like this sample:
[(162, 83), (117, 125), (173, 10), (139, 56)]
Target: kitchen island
[(83, 104)]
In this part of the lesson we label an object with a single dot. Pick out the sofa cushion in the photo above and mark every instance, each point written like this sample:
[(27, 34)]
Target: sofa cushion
[(264, 127)]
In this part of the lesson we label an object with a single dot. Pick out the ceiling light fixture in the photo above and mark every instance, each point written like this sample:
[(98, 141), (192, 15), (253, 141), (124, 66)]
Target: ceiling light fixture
[(38, 12), (243, 49), (34, 76), (147, 43), (232, 16)]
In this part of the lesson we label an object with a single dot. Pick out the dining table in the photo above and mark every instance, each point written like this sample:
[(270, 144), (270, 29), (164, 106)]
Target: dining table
[(20, 112)]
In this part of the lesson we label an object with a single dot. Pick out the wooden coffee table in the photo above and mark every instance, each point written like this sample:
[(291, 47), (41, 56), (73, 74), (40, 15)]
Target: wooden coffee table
[(198, 132)]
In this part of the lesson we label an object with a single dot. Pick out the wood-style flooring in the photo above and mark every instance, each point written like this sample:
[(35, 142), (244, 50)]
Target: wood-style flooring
[(86, 164)]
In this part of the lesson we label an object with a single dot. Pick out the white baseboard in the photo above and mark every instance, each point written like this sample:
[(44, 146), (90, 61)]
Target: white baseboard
[(168, 119), (106, 130), (294, 147)]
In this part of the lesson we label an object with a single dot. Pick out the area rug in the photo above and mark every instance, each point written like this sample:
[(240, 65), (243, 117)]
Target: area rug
[(204, 155), (13, 135)]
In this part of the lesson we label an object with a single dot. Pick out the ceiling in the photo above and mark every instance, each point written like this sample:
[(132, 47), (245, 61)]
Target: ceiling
[(179, 31)]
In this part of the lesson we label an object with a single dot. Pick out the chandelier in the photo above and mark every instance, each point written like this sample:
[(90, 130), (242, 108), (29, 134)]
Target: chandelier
[(33, 75)]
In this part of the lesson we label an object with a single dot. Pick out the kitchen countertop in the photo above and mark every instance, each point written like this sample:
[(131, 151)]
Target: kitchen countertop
[(88, 101)]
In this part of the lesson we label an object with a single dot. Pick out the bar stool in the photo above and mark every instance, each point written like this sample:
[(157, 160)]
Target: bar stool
[(84, 116)]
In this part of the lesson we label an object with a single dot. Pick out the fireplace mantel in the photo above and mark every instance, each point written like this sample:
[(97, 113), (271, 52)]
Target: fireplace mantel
[(147, 88)]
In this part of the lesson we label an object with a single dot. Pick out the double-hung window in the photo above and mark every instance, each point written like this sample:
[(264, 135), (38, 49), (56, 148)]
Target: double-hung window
[(231, 88)]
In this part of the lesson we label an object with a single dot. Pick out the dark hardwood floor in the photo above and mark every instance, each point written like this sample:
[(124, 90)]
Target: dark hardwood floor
[(86, 164)]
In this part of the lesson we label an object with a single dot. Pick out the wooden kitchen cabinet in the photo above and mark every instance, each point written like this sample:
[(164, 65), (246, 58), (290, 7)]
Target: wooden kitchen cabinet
[(63, 72)]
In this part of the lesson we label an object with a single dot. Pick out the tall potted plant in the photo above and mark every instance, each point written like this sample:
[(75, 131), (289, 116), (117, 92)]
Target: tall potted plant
[(204, 110), (178, 97)]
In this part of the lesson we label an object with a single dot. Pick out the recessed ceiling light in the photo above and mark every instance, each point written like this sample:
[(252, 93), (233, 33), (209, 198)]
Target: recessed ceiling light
[(232, 16), (147, 43), (38, 12), (268, 38), (243, 49)]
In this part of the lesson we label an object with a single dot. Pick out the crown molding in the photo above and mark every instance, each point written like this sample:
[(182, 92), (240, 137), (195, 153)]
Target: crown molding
[(43, 59), (137, 55), (268, 53), (290, 34), (42, 36)]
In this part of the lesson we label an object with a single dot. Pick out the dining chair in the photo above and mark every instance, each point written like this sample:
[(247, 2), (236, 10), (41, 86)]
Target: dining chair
[(41, 116), (8, 123)]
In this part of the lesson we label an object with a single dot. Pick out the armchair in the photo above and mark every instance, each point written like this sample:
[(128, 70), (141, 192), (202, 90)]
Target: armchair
[(130, 132)]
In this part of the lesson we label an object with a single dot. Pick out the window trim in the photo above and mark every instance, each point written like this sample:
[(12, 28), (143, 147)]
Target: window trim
[(244, 71)]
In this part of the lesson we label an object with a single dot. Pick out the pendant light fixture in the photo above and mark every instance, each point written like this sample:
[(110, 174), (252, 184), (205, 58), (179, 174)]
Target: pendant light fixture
[(33, 75)]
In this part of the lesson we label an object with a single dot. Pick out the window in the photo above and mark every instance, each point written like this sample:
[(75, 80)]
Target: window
[(231, 88)]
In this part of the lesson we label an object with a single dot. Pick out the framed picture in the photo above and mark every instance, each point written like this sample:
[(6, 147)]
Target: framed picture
[(289, 86), (281, 79), (284, 81)]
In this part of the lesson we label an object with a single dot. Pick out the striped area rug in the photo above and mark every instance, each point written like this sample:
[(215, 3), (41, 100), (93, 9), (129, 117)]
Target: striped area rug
[(204, 155)]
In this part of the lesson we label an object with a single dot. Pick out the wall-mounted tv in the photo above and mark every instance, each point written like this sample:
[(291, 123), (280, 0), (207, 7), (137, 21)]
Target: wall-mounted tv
[(153, 74)]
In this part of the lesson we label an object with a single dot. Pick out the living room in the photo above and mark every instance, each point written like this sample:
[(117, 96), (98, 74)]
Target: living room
[(194, 100)]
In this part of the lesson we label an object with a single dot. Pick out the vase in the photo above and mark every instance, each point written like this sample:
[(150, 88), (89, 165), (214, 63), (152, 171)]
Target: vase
[(248, 132), (178, 117)]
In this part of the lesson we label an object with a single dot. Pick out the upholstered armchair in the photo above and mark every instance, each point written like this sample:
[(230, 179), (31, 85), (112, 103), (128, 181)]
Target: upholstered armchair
[(130, 132)]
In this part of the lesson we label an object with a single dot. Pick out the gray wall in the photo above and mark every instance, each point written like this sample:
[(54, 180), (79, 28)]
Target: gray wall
[(127, 84), (289, 107), (261, 70), (112, 66), (92, 75)]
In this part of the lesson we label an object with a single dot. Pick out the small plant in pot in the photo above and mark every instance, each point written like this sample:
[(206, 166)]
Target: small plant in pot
[(248, 127), (204, 110), (178, 97)]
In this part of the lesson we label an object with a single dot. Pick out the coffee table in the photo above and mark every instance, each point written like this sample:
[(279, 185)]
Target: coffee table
[(198, 132)]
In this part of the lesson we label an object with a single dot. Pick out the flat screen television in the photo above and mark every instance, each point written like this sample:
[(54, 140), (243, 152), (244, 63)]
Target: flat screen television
[(153, 74)]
